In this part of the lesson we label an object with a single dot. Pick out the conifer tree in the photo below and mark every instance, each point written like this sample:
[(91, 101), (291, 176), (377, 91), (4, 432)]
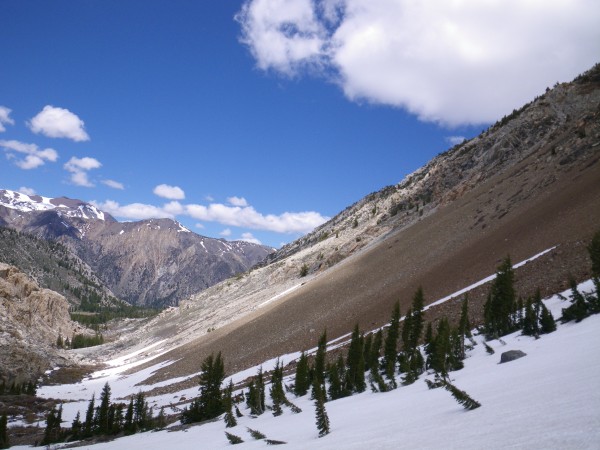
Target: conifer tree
[(390, 350), (376, 350), (209, 404), (319, 367), (322, 418), (547, 323), (129, 426), (76, 426), (411, 360), (229, 418), (301, 382), (256, 434), (4, 441), (464, 325), (103, 422), (255, 398), (498, 319), (335, 374), (594, 251), (355, 365), (233, 439), (578, 309), (277, 392), (161, 419), (530, 320), (52, 432), (462, 397), (88, 426)]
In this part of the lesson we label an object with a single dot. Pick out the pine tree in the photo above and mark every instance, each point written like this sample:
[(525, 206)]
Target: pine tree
[(103, 422), (578, 309), (161, 419), (233, 439), (355, 364), (76, 426), (498, 319), (256, 434), (322, 418), (376, 350), (462, 397), (412, 361), (229, 417), (319, 367), (129, 426), (547, 323), (277, 392), (390, 349), (89, 426), (210, 403), (255, 398), (301, 383), (335, 374), (368, 343), (4, 441), (530, 320), (52, 432)]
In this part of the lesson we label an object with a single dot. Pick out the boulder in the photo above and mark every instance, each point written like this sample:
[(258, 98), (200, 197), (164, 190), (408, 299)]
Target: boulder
[(511, 355)]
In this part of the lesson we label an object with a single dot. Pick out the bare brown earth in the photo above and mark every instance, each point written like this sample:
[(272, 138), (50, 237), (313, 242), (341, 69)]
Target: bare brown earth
[(520, 213)]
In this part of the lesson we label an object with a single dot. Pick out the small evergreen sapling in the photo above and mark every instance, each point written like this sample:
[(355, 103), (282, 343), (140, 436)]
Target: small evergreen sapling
[(322, 419), (256, 434), (462, 397), (233, 439)]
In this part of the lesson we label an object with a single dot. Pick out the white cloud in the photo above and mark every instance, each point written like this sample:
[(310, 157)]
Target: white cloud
[(35, 157), (26, 190), (243, 217), (59, 123), (79, 167), (248, 237), (170, 192), (454, 63), (199, 226), (282, 34), (225, 233), (5, 118), (113, 184), (455, 140), (135, 211), (248, 217), (237, 201)]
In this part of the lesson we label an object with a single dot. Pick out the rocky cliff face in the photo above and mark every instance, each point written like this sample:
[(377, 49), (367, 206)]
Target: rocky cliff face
[(153, 262), (31, 319)]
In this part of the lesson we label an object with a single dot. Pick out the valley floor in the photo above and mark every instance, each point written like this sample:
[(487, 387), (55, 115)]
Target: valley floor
[(548, 399)]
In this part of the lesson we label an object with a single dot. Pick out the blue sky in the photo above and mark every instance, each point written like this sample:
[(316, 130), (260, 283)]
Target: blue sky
[(258, 120)]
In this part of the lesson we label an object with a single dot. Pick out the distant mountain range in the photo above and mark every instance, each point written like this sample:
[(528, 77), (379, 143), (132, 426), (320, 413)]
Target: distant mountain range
[(154, 262)]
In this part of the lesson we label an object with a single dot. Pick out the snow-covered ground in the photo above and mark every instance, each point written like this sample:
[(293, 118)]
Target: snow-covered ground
[(549, 399)]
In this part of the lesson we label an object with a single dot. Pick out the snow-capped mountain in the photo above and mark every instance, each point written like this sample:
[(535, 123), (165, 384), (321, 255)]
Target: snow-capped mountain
[(153, 262)]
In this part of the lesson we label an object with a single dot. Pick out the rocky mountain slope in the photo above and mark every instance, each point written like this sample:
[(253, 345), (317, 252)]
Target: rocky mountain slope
[(151, 262), (528, 184), (31, 319), (55, 267)]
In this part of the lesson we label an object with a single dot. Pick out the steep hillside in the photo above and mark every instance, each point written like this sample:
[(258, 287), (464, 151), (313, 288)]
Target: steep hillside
[(31, 319), (152, 262), (55, 267), (528, 184)]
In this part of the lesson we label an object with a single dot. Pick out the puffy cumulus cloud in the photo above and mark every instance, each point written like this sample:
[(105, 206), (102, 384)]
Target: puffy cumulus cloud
[(5, 118), (113, 184), (237, 201), (248, 217), (34, 156), (462, 62), (225, 233), (248, 237), (27, 190), (59, 123), (282, 34), (79, 167), (174, 208), (169, 192), (134, 211)]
